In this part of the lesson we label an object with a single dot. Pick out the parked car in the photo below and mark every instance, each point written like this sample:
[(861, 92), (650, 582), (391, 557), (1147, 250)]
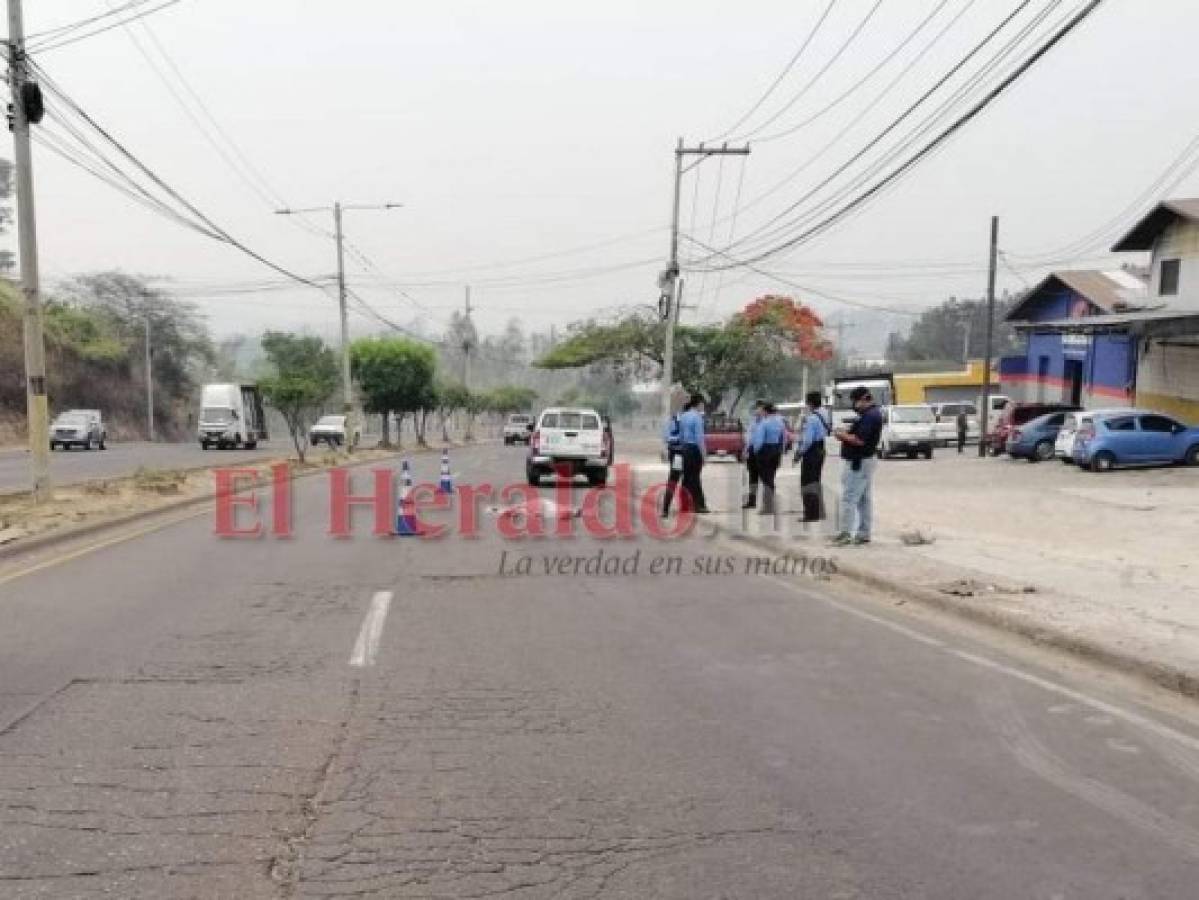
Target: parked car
[(724, 437), (332, 430), (576, 440), (1014, 415), (908, 429), (78, 428), (1035, 440), (518, 429), (1064, 445), (946, 415), (1134, 437)]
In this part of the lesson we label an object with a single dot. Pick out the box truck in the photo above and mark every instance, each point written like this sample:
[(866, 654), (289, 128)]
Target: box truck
[(231, 415)]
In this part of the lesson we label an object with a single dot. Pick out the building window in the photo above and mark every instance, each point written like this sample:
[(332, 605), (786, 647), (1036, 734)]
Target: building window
[(1168, 284)]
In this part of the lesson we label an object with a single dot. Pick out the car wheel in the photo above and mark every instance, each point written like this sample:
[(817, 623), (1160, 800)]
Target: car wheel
[(928, 453), (1103, 461), (1192, 456), (1042, 451), (1066, 461), (912, 454), (53, 446), (533, 476), (251, 445), (882, 451), (90, 444), (598, 479), (103, 442), (203, 445)]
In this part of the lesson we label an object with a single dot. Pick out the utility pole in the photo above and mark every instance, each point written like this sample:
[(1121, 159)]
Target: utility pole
[(985, 412), (27, 110), (669, 285), (149, 384), (347, 383), (468, 343)]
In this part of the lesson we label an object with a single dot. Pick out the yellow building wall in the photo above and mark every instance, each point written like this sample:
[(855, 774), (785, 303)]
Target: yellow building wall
[(910, 388)]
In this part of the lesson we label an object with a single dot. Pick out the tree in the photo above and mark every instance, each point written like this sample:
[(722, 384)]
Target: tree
[(396, 375), (947, 331), (510, 398), (762, 348), (306, 374), (452, 396)]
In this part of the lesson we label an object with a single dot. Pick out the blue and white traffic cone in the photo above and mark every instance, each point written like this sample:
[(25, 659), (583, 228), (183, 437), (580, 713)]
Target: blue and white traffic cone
[(406, 524), (446, 484)]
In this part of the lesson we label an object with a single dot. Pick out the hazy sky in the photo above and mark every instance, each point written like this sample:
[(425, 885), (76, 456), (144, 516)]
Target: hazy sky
[(517, 129)]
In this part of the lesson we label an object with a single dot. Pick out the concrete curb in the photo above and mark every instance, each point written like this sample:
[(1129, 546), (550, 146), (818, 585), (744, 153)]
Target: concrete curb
[(1171, 677), (38, 542)]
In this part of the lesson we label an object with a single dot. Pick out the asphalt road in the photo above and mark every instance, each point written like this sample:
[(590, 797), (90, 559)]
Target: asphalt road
[(189, 717), (70, 466)]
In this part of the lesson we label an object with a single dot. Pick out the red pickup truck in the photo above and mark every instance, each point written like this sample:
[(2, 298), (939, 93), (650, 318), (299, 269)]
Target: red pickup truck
[(724, 437)]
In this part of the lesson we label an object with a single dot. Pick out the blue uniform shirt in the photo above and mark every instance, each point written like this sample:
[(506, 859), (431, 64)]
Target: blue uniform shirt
[(770, 432), (691, 428), (815, 430), (670, 433), (752, 431)]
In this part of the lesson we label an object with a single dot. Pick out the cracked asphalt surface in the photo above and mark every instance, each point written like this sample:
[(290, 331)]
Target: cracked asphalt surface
[(179, 718)]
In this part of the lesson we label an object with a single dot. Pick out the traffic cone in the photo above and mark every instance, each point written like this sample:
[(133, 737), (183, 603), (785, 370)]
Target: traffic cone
[(446, 484), (406, 524)]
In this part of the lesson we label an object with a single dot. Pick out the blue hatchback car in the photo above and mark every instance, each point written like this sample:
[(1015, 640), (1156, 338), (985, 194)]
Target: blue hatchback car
[(1035, 439), (1134, 437)]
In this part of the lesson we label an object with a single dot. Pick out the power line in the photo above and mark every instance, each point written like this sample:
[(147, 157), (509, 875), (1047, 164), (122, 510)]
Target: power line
[(206, 224), (939, 140), (841, 98), (799, 95), (63, 40), (783, 74), (877, 139)]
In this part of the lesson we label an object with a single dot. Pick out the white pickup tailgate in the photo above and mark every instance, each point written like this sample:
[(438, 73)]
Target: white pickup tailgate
[(571, 435)]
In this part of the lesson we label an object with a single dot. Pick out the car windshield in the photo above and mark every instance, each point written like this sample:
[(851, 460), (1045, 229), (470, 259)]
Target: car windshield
[(216, 414), (71, 421), (331, 422), (912, 414), (518, 420)]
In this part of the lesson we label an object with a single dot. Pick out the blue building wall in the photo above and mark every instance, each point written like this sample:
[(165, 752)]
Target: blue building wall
[(1096, 370)]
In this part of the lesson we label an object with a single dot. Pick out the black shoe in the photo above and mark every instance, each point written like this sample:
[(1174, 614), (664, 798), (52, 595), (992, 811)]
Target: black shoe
[(703, 512), (749, 504)]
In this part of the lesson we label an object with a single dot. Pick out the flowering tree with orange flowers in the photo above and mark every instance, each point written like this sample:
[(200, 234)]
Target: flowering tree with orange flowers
[(795, 328)]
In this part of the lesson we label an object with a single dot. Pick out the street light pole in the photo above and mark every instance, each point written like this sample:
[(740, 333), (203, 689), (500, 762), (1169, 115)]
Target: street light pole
[(338, 209), (37, 406), (669, 285)]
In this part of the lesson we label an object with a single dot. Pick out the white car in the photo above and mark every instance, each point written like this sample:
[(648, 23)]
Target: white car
[(78, 428), (908, 429), (1063, 447), (575, 441), (518, 429), (332, 430), (947, 423)]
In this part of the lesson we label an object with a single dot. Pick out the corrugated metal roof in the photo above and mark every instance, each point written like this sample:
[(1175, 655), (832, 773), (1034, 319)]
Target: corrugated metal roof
[(1146, 232), (1110, 291), (1147, 322)]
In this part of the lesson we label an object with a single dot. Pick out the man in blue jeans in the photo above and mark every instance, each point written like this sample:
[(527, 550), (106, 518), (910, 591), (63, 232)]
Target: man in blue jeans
[(859, 444)]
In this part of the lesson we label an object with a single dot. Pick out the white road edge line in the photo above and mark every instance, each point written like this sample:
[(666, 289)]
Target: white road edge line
[(1129, 716), (366, 648)]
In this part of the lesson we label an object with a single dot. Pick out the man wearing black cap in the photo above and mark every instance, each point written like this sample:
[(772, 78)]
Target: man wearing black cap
[(859, 443)]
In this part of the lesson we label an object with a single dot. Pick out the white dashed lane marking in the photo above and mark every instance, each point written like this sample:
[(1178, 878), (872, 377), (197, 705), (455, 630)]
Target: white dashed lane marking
[(366, 648)]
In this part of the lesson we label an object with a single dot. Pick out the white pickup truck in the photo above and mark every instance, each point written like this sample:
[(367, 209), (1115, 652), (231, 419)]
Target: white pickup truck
[(570, 440), (909, 430)]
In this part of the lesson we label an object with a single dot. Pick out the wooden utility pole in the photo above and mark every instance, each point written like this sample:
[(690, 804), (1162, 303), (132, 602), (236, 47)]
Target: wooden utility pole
[(26, 98), (669, 285), (984, 413)]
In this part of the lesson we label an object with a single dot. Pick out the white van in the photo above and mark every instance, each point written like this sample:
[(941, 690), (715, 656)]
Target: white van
[(231, 415)]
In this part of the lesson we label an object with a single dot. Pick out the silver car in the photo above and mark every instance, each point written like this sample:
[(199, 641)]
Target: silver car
[(78, 428)]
